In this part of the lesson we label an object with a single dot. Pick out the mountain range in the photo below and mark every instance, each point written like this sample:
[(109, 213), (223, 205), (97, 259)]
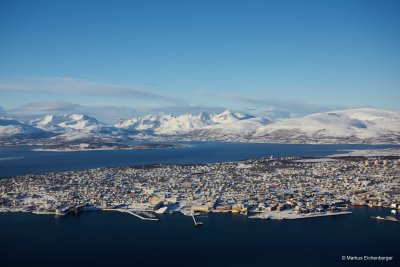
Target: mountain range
[(343, 126)]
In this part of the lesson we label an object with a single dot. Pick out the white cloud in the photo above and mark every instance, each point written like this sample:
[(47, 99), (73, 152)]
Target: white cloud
[(273, 108), (2, 111), (73, 86), (43, 107)]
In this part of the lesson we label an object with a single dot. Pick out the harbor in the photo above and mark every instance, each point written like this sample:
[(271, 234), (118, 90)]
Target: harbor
[(125, 236)]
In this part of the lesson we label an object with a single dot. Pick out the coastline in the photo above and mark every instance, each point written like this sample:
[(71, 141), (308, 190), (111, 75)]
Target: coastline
[(133, 147), (151, 215), (134, 190)]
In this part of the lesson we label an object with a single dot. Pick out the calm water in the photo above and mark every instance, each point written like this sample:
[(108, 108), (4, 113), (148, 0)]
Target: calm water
[(114, 239), (22, 160)]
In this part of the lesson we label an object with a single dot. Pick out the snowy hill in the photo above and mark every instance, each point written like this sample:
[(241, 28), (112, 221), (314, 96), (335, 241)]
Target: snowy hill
[(354, 125), (228, 117), (165, 124), (175, 125), (147, 124), (13, 129), (240, 126), (341, 126), (69, 123), (183, 124)]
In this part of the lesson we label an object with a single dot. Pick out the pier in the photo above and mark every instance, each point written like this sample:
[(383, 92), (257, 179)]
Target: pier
[(194, 221), (132, 213)]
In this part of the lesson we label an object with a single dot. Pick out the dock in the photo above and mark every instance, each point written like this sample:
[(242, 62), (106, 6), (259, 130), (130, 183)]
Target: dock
[(194, 221), (132, 213), (41, 212)]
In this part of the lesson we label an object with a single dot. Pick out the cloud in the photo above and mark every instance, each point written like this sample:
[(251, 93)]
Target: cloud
[(274, 108), (2, 112), (73, 86), (43, 107), (39, 109), (193, 109)]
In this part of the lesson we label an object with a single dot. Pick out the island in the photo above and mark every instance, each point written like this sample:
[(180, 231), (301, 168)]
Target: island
[(86, 145), (264, 188)]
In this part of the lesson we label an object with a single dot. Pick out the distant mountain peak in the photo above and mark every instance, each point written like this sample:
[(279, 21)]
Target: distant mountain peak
[(68, 122), (339, 126), (11, 128), (185, 123), (352, 125), (226, 112)]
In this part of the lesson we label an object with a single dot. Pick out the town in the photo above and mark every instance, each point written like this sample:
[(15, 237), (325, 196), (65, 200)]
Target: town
[(265, 188)]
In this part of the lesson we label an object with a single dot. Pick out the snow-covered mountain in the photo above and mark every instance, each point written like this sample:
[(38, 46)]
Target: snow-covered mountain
[(186, 123), (342, 126), (351, 126), (13, 129), (228, 117), (69, 123), (147, 124), (63, 122), (183, 124)]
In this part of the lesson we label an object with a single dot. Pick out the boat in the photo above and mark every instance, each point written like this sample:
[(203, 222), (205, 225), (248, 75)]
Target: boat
[(392, 219), (147, 214), (388, 218), (260, 216), (393, 211)]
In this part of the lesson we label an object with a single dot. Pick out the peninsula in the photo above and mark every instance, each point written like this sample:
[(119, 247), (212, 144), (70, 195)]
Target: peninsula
[(265, 188)]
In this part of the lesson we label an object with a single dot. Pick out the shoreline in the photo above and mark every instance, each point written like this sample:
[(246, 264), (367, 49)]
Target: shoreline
[(136, 147), (289, 215), (281, 188), (264, 215)]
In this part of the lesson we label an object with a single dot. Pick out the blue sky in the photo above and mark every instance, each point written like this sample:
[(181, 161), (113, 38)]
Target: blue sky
[(278, 58)]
